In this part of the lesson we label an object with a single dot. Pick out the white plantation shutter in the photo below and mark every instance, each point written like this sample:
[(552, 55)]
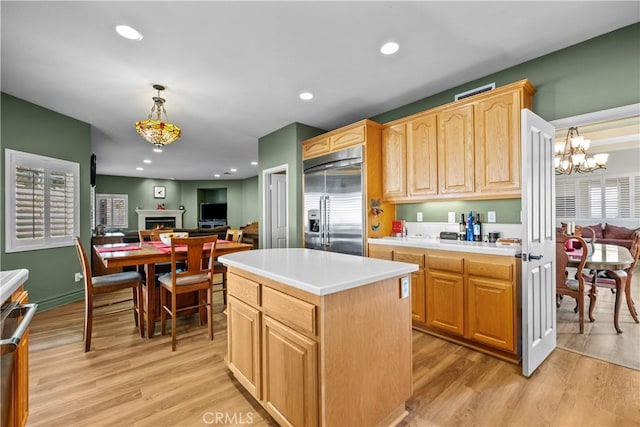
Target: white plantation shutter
[(42, 201), (566, 199), (112, 210), (636, 196), (590, 198), (616, 198)]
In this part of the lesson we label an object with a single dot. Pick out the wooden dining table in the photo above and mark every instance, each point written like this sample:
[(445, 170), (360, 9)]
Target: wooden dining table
[(148, 254), (614, 260)]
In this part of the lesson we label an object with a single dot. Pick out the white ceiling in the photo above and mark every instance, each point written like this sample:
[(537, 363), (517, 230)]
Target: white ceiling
[(233, 70)]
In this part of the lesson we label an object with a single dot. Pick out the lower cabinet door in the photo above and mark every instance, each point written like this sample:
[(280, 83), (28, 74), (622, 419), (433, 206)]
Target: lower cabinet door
[(491, 313), (445, 301), (290, 381), (418, 297), (243, 331)]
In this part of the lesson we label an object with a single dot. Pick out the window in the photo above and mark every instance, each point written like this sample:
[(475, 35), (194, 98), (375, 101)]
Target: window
[(565, 199), (608, 198), (42, 201), (111, 210)]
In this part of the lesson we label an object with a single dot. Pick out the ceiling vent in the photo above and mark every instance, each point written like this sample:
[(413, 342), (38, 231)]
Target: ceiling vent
[(475, 91)]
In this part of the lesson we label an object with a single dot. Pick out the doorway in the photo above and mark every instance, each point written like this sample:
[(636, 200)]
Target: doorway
[(275, 202)]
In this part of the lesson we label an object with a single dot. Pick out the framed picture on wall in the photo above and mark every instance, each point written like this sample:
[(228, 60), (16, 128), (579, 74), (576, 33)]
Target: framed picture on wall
[(158, 192)]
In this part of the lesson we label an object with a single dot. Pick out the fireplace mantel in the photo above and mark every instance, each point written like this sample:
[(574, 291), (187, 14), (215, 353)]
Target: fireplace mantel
[(143, 214)]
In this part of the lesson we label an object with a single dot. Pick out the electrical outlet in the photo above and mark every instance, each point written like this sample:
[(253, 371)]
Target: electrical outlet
[(491, 216), (419, 216), (452, 218), (78, 277), (404, 287)]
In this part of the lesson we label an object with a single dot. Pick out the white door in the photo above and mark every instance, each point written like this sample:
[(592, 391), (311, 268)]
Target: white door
[(538, 243), (278, 197)]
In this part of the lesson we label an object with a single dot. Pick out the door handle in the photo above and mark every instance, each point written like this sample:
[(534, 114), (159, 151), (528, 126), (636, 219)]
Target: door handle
[(9, 345), (535, 256)]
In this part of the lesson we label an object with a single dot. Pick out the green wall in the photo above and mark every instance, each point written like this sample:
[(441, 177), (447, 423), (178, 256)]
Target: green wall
[(29, 128), (185, 193), (597, 74), (283, 147)]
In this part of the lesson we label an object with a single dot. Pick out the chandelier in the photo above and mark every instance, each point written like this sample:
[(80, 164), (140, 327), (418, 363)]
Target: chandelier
[(157, 131), (571, 156)]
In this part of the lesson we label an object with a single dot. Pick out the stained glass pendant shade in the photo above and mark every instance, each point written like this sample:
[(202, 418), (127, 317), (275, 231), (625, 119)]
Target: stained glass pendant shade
[(158, 131)]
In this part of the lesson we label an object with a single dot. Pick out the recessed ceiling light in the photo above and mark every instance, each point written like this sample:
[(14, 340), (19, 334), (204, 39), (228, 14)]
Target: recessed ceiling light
[(217, 175), (306, 96), (389, 48), (139, 168), (147, 161), (254, 163), (157, 150), (128, 32), (233, 170)]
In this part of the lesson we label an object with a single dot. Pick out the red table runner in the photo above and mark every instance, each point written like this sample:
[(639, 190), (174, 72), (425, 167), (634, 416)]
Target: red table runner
[(115, 248), (180, 248)]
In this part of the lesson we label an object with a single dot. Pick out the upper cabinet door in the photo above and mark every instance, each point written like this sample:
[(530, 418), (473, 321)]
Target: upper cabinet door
[(422, 159), (497, 144), (455, 151), (394, 163)]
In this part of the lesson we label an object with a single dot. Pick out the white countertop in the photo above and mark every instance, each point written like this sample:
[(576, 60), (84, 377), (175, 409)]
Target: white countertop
[(314, 271), (10, 280), (448, 245)]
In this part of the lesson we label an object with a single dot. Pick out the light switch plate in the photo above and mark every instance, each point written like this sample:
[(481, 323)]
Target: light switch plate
[(404, 287), (491, 216), (419, 216), (452, 218)]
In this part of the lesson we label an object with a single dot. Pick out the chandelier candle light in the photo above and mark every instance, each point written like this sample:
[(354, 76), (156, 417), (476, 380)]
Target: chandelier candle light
[(158, 132), (571, 155)]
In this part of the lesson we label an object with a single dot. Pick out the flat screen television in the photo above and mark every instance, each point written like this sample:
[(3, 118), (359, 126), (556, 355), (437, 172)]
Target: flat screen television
[(213, 211)]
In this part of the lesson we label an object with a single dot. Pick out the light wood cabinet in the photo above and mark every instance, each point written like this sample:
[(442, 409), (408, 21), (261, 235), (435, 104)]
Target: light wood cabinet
[(455, 151), (290, 374), (445, 292), (409, 167), (468, 149), (464, 297), (20, 410), (497, 144), (304, 357), (243, 344), (316, 147)]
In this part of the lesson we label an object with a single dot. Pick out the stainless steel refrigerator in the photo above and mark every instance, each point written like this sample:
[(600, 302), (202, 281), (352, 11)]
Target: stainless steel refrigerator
[(333, 202)]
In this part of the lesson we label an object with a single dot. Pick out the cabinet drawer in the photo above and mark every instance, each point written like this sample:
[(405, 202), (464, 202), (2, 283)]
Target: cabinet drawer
[(409, 257), (244, 289), (347, 138), (454, 264), (380, 252), (296, 313), (494, 270)]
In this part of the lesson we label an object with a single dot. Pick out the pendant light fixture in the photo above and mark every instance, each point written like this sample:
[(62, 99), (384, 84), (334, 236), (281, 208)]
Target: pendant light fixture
[(157, 131), (571, 156)]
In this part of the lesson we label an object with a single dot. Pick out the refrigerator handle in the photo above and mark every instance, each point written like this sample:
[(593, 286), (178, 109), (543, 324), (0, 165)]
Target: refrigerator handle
[(326, 221), (321, 221)]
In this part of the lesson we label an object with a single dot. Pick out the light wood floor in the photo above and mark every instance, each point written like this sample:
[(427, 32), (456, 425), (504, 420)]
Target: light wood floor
[(129, 381), (600, 338)]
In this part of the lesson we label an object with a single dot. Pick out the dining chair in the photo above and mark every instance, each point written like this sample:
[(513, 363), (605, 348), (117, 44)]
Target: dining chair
[(233, 235), (197, 276), (613, 280), (152, 235), (106, 284), (569, 284)]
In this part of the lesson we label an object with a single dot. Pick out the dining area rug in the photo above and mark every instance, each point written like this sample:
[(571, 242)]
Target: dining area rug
[(600, 339)]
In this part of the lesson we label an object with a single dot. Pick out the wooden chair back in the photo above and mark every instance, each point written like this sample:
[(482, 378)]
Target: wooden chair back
[(234, 235), (574, 285), (86, 269), (152, 235), (196, 263)]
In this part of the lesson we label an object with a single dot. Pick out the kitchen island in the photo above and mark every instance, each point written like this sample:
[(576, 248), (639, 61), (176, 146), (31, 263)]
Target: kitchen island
[(321, 338)]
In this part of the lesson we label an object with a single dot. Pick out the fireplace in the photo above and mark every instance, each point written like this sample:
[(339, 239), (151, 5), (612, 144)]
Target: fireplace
[(152, 218)]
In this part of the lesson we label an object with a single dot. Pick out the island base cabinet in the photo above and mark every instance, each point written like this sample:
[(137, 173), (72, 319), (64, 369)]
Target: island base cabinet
[(243, 344), (290, 375)]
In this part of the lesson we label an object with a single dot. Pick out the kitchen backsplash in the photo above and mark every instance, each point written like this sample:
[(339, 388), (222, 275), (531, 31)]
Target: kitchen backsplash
[(433, 229)]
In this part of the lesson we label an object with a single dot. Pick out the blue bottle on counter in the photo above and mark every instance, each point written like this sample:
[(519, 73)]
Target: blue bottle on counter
[(470, 227)]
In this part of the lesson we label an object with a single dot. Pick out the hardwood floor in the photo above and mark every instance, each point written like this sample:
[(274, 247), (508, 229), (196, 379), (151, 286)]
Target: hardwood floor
[(130, 381)]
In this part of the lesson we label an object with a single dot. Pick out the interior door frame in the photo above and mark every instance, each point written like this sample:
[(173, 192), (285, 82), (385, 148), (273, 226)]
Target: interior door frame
[(267, 220), (597, 116)]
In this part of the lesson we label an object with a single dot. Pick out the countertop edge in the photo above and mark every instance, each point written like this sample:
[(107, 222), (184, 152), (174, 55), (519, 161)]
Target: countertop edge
[(469, 247), (15, 279)]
